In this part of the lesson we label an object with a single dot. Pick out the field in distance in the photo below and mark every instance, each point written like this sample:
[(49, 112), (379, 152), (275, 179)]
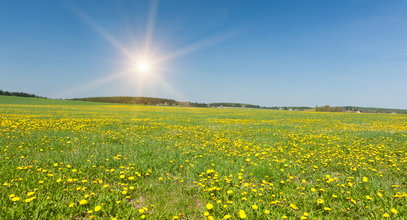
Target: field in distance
[(79, 160)]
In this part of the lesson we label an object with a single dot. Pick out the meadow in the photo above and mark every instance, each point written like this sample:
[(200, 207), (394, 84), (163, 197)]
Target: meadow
[(80, 160)]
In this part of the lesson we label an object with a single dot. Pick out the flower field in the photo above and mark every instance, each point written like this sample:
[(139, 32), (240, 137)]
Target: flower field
[(76, 160)]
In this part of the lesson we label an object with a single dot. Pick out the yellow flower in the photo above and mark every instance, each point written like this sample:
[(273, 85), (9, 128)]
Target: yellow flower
[(124, 192), (210, 218), (379, 194), (15, 199), (327, 209), (206, 213), (83, 202), (266, 211), (255, 207), (293, 206), (227, 217), (394, 211), (369, 198), (209, 206), (365, 179), (141, 211), (30, 193), (71, 205), (386, 215), (98, 208), (242, 214), (320, 201)]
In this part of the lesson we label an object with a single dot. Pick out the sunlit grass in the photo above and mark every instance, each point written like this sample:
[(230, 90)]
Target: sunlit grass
[(123, 161)]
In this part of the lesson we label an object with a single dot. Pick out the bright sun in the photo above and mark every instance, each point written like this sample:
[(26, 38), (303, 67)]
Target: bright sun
[(143, 66)]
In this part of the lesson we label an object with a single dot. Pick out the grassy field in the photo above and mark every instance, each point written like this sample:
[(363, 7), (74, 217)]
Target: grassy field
[(75, 160)]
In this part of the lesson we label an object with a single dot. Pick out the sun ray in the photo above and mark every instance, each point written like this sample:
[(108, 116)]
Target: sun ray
[(142, 66)]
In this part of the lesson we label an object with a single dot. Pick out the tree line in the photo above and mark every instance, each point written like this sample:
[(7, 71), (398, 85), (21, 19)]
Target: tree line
[(21, 94)]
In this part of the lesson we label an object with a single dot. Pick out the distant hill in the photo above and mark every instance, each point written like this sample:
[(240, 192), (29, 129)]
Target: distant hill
[(233, 105), (328, 108), (20, 94), (160, 101), (131, 100), (171, 102)]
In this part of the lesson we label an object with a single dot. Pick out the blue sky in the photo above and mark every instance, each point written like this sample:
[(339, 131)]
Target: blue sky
[(270, 53)]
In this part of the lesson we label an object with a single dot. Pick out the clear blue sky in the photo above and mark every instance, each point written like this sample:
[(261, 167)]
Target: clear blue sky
[(270, 53)]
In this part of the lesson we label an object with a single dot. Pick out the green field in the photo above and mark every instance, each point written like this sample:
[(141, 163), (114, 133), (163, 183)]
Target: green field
[(79, 160)]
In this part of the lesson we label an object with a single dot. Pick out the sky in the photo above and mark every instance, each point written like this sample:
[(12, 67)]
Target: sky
[(268, 53)]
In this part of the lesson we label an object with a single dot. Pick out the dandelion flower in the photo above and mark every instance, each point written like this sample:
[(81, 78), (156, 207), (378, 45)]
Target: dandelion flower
[(209, 206), (83, 202), (98, 208)]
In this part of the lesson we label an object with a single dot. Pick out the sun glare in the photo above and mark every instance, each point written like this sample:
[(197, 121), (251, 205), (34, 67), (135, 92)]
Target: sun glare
[(143, 66)]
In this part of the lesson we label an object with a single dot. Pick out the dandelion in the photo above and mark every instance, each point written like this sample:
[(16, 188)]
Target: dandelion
[(365, 179), (209, 206), (266, 211), (98, 208), (327, 209), (227, 217), (242, 214), (386, 215), (83, 202), (394, 211), (255, 207), (320, 201), (15, 199), (293, 206)]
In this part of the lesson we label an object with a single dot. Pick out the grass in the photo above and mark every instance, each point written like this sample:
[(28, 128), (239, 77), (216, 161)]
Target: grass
[(70, 159)]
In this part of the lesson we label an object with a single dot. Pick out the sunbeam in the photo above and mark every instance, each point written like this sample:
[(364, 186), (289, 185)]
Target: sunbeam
[(141, 65)]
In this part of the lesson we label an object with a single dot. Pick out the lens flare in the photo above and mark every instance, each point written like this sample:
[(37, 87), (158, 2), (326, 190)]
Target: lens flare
[(144, 66)]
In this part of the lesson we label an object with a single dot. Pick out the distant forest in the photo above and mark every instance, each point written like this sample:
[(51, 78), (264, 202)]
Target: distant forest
[(21, 94), (328, 108), (171, 102)]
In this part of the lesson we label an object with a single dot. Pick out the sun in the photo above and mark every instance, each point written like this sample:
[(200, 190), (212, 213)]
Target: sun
[(144, 66)]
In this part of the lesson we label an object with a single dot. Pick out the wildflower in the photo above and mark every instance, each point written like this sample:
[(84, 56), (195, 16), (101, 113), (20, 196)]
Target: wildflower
[(266, 211), (365, 179), (293, 206), (327, 209), (320, 201), (227, 217), (83, 202), (242, 214), (15, 199), (98, 208), (394, 211), (255, 207), (71, 205), (369, 198), (209, 206), (386, 215)]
